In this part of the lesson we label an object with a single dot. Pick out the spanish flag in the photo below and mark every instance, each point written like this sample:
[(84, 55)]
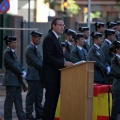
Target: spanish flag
[(100, 110)]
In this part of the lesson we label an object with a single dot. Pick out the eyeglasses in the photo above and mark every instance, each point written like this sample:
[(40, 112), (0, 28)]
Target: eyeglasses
[(61, 25)]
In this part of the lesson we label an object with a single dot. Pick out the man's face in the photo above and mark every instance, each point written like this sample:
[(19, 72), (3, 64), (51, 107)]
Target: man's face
[(12, 44), (111, 37), (70, 39), (86, 34), (59, 27), (36, 40), (102, 29), (99, 41), (81, 41)]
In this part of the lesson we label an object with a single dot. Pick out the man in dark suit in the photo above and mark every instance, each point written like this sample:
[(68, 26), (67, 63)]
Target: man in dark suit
[(109, 38), (78, 53), (95, 54), (85, 31), (33, 77), (53, 60), (68, 46), (11, 80)]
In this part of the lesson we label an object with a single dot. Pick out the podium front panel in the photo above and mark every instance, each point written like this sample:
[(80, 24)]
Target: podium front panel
[(77, 92)]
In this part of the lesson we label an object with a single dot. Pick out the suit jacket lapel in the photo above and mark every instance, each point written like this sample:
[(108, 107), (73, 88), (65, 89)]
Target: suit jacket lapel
[(57, 43)]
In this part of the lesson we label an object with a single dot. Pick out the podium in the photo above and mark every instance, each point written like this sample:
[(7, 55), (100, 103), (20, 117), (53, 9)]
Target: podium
[(77, 92)]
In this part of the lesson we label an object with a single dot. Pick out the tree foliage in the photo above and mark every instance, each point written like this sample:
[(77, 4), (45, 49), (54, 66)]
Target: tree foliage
[(51, 3), (72, 7)]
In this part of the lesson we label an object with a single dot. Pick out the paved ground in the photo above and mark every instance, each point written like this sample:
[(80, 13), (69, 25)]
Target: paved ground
[(2, 98)]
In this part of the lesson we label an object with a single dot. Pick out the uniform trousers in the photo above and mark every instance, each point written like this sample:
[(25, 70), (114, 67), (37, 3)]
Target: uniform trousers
[(34, 97), (13, 95)]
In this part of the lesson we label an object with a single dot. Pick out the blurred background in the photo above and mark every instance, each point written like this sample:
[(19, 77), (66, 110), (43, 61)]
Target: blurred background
[(38, 14)]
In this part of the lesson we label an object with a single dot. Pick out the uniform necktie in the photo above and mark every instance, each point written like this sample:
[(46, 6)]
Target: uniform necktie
[(35, 51), (84, 53), (15, 56)]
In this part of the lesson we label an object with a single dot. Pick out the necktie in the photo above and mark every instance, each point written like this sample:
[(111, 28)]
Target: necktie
[(35, 51), (15, 56), (59, 41), (84, 54), (100, 52)]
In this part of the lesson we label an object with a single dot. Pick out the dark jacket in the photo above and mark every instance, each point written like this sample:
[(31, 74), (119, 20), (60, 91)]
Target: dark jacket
[(105, 49), (100, 64), (86, 46), (34, 62), (68, 50), (53, 59), (115, 88), (116, 71), (77, 55), (13, 69)]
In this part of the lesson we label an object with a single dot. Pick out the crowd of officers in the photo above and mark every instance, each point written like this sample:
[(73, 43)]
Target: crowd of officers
[(104, 49)]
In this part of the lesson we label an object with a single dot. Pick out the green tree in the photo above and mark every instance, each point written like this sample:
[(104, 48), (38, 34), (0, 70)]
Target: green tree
[(72, 7), (51, 3)]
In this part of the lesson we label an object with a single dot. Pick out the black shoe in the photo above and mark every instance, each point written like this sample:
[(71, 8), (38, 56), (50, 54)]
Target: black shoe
[(30, 117)]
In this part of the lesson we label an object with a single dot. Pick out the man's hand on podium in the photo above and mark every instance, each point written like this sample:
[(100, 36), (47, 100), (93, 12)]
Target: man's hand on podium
[(82, 61), (68, 64)]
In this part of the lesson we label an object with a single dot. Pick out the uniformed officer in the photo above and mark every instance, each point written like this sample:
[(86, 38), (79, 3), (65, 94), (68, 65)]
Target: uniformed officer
[(68, 43), (85, 31), (100, 27), (78, 53), (12, 80), (109, 38), (112, 26), (115, 65), (118, 30), (95, 54), (33, 77)]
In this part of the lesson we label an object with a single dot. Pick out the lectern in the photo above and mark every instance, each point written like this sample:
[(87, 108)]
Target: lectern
[(77, 92)]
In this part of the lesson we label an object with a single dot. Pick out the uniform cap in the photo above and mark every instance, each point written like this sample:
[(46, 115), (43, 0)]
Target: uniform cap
[(111, 24), (69, 31), (8, 38), (82, 29), (109, 32), (96, 34), (116, 43), (99, 24), (36, 34), (118, 22), (78, 35)]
